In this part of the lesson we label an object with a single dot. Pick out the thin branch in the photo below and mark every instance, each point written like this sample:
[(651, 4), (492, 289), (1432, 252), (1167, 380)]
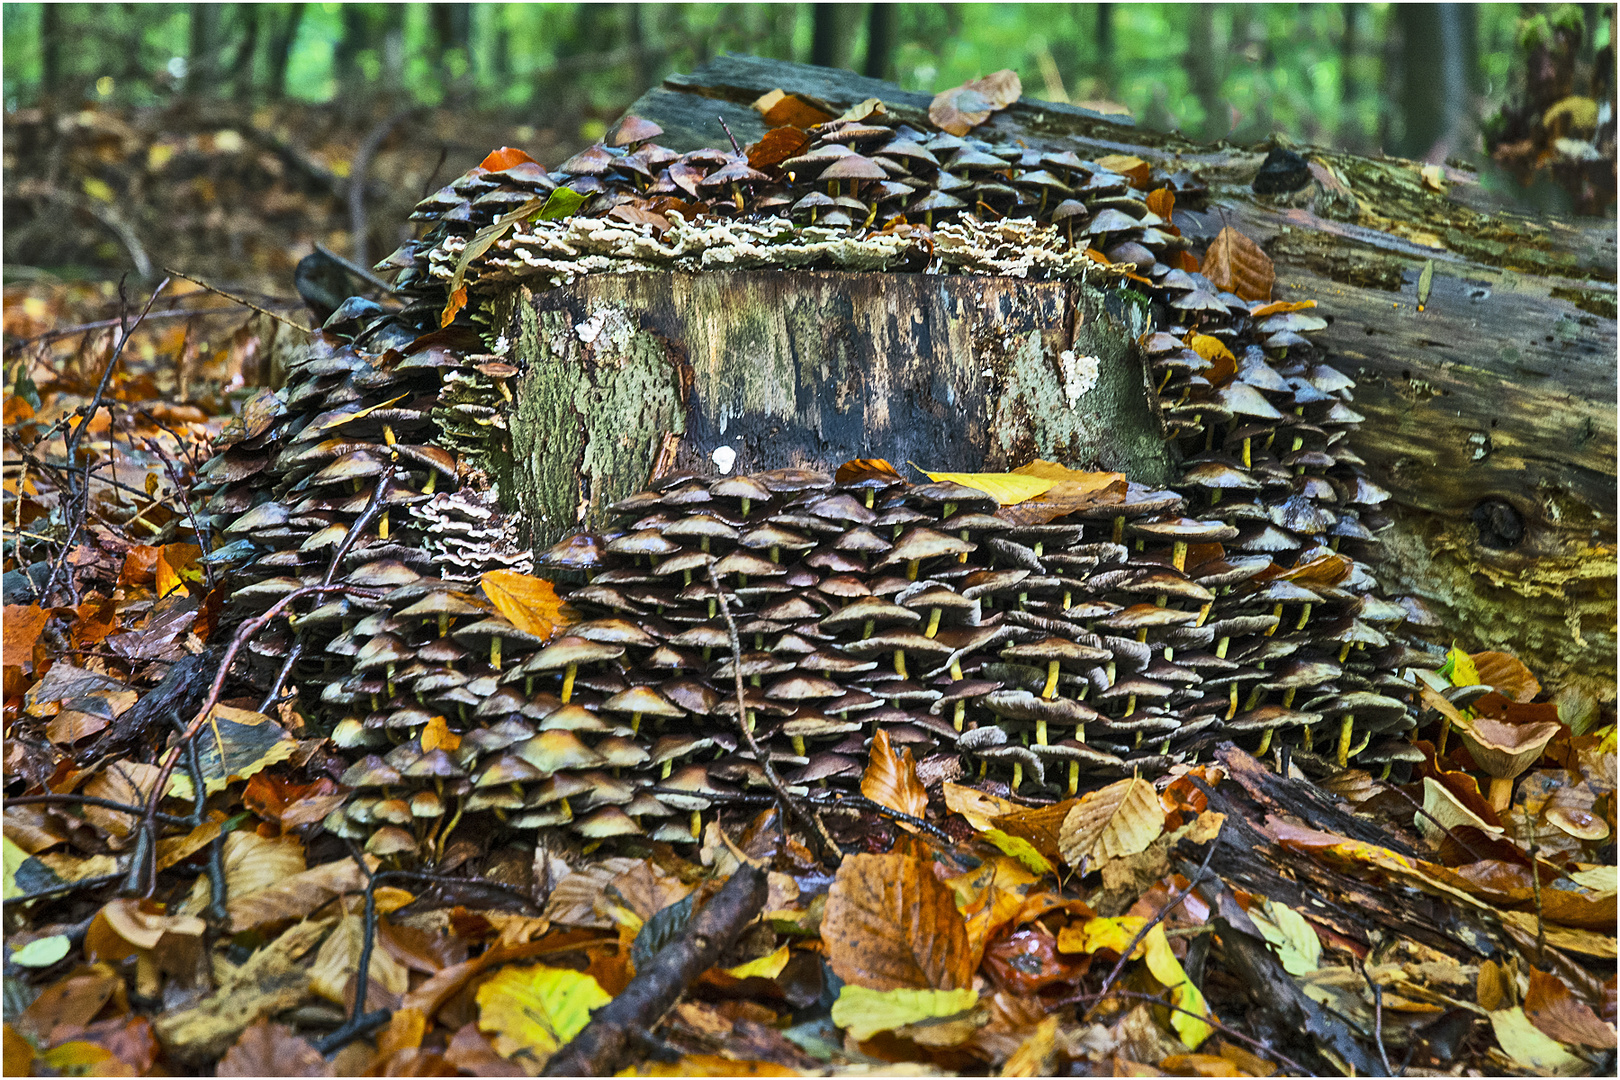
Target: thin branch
[(358, 169), (107, 324), (1378, 1016), (808, 818), (92, 800), (1171, 905), (354, 268), (240, 300), (1136, 995)]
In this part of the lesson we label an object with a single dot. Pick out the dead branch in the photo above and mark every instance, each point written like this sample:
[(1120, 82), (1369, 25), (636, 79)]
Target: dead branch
[(358, 169), (599, 1050), (240, 300), (1159, 916)]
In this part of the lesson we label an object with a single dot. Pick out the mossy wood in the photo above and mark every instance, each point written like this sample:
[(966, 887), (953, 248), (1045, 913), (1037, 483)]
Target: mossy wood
[(628, 375), (1490, 409)]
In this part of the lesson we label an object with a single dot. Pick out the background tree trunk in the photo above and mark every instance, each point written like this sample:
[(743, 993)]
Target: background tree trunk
[(1490, 411), (281, 50)]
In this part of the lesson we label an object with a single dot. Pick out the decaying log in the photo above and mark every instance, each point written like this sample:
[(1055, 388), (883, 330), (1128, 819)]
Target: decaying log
[(1490, 409), (956, 373), (600, 1048)]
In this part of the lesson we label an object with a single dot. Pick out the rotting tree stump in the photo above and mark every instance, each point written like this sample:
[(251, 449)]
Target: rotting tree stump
[(1489, 410), (628, 375)]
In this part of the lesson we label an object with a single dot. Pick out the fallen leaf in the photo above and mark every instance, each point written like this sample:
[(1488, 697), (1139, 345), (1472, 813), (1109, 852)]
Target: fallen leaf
[(42, 952), (1008, 489), (177, 564), (1035, 1056), (1020, 849), (251, 742), (296, 896), (1114, 933), (1434, 178), (253, 863), (504, 158), (768, 966), (867, 469), (1214, 350), (291, 805), (1236, 264), (1129, 166), (332, 975), (1041, 826), (978, 807), (267, 1049), (1161, 201), (1288, 932), (1280, 307), (1072, 490), (779, 144), (864, 1012), (1183, 994), (962, 108), (891, 923), (1558, 1014), (1118, 820), (1527, 1046), (1459, 668), (780, 109), (1508, 674), (535, 1010), (529, 603), (470, 1052), (70, 1003), (891, 778), (23, 625)]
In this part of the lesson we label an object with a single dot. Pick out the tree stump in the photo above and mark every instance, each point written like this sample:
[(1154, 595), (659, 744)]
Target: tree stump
[(1490, 407), (748, 371)]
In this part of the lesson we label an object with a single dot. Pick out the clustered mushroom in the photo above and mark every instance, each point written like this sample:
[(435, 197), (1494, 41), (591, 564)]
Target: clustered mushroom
[(1123, 638)]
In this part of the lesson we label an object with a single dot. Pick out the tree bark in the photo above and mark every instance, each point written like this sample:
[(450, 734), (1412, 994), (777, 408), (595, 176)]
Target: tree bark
[(1490, 411), (281, 50), (748, 371)]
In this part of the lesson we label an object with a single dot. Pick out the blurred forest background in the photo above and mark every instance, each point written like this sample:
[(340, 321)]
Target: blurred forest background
[(186, 131)]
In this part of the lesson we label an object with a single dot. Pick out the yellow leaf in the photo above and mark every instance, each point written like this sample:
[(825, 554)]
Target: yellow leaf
[(864, 1012), (252, 741), (1525, 1044), (976, 806), (529, 603), (1183, 994), (1034, 1055), (1008, 489), (14, 858), (1434, 178), (1110, 823), (1095, 934), (708, 1065), (538, 1008), (766, 967), (1463, 672), (1020, 849), (1286, 930), (98, 189), (436, 735)]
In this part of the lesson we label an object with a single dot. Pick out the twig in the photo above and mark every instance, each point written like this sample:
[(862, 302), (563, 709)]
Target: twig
[(91, 800), (1378, 1016), (1440, 824), (66, 886), (832, 800), (107, 324), (1535, 883), (808, 818), (600, 1048), (1136, 995), (1171, 905), (357, 184), (727, 129), (182, 489), (240, 300), (354, 268)]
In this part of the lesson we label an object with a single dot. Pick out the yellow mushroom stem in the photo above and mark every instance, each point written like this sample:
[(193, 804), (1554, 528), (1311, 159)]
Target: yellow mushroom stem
[(1248, 459), (959, 716), (1288, 697), (432, 481), (495, 652), (911, 569), (1304, 617), (871, 497), (1040, 732), (697, 816), (1119, 529), (1221, 646), (382, 526), (750, 721), (444, 624), (1050, 689), (1256, 695), (1141, 635), (1388, 765), (1018, 776), (933, 622), (1344, 652), (900, 662), (776, 553), (1265, 742), (746, 503), (1214, 496), (669, 767), (568, 682), (635, 723), (1309, 740), (1346, 724), (868, 628), (1074, 777), (1233, 708), (1178, 556), (388, 672), (798, 745), (1276, 613)]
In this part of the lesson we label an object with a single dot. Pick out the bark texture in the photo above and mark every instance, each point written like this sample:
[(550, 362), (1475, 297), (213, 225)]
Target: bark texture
[(1490, 408)]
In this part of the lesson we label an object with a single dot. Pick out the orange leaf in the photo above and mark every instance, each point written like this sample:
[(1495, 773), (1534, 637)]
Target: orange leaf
[(529, 603), (891, 778), (291, 805), (1281, 307), (1236, 263), (457, 301), (436, 734), (867, 469), (777, 146), (781, 109), (1554, 1010), (97, 617), (1507, 674), (172, 559), (139, 564), (504, 158), (1129, 166), (1162, 201), (891, 924), (1040, 826), (23, 627), (1097, 257), (1187, 261), (1214, 350)]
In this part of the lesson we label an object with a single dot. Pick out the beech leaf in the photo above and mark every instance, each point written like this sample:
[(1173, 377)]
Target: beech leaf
[(1528, 1046), (781, 109), (1507, 674), (538, 1008), (890, 923), (1110, 823), (864, 1012), (1183, 994), (962, 108), (267, 1049), (529, 603), (891, 778), (1236, 264), (1558, 1014), (1008, 489), (1288, 932)]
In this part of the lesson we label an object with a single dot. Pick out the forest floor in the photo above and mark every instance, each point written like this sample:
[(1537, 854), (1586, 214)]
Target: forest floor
[(1225, 920)]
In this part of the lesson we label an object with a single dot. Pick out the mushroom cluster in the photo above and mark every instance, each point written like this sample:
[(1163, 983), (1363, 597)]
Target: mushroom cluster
[(833, 201)]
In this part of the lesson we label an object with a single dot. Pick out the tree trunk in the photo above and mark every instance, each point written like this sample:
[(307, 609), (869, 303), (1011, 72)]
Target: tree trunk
[(50, 48), (761, 370), (1490, 409), (281, 51), (879, 40), (826, 44)]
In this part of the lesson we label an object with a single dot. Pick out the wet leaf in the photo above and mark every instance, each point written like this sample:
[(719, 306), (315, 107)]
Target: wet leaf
[(1280, 307), (1041, 826), (332, 975), (780, 109), (891, 923), (1214, 350), (176, 565), (1008, 489), (455, 301), (296, 896), (1558, 1014), (70, 1003), (1287, 931), (504, 158), (291, 805), (768, 966), (252, 742), (23, 626), (1072, 490), (779, 144), (1114, 934), (891, 778), (535, 1010), (867, 469), (1459, 668), (1236, 264), (1527, 1046), (529, 603), (436, 735), (1442, 809), (864, 1012), (42, 952), (1118, 820), (1183, 994), (1020, 849), (267, 1049)]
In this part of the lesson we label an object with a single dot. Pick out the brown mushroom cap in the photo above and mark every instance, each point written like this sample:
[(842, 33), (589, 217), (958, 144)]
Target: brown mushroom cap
[(551, 751), (1069, 654), (571, 650), (1023, 705), (1506, 750), (869, 609), (642, 699)]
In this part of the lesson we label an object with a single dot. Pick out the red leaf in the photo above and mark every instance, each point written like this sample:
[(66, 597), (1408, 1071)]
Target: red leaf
[(504, 158)]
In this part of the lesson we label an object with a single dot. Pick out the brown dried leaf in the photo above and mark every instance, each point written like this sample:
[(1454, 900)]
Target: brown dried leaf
[(867, 469), (781, 109), (777, 146), (1162, 201), (332, 974), (1118, 820), (1236, 263), (1508, 674), (1558, 1014), (890, 923), (253, 864), (1041, 826), (296, 896), (72, 1002), (23, 625), (891, 778), (1074, 490), (267, 1049), (962, 108), (128, 782), (1129, 166), (291, 805), (471, 1053)]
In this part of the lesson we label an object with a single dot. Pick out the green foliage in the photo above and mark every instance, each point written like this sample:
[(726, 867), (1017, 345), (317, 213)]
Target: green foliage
[(1314, 72)]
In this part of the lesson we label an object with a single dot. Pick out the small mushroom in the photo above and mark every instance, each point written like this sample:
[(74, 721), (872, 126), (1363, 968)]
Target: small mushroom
[(1504, 751)]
